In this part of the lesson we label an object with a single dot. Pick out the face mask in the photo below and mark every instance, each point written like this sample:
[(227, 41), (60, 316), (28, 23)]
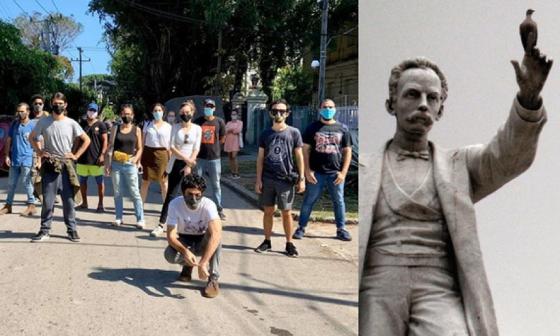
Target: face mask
[(37, 108), (58, 109), (192, 201), (328, 113), (234, 117), (92, 114), (171, 119), (186, 117), (126, 119), (158, 115), (208, 111), (22, 115)]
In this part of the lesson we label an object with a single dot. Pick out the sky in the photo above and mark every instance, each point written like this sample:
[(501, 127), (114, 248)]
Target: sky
[(473, 43), (90, 39)]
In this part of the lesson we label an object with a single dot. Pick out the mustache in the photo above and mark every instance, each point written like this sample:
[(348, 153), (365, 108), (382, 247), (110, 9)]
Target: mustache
[(418, 116)]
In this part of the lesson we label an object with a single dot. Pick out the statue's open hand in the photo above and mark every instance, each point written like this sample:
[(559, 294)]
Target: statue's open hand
[(531, 76)]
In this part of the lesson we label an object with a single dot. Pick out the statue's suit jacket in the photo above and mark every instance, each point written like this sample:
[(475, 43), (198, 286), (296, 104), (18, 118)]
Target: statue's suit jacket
[(463, 177)]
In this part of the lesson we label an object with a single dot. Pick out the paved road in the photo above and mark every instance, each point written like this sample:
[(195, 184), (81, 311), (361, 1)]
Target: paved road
[(116, 282)]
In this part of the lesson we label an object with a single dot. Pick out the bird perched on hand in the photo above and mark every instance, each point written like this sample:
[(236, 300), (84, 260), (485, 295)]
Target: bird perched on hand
[(528, 32)]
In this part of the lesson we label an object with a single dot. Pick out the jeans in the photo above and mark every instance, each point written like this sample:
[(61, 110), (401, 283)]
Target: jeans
[(13, 179), (125, 175), (213, 169), (174, 181), (51, 183), (411, 301), (313, 193), (197, 245)]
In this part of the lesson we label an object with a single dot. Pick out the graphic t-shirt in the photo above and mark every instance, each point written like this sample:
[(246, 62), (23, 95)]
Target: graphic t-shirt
[(327, 142), (278, 152), (21, 152), (188, 221), (58, 135), (95, 132), (212, 131)]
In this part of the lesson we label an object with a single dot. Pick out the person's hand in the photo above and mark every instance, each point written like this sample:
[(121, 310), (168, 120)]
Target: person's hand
[(531, 75), (310, 176), (71, 156), (186, 171), (203, 273), (340, 177), (134, 160), (107, 171), (8, 161), (190, 258), (101, 160), (301, 186), (258, 187)]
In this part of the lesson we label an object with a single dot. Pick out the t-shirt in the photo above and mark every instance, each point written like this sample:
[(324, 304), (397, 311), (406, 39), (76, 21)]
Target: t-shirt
[(21, 152), (278, 152), (212, 131), (188, 221), (95, 132), (58, 135), (186, 143), (327, 142), (157, 137)]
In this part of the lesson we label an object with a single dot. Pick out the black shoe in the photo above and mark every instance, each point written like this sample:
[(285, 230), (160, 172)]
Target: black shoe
[(291, 250), (39, 237), (186, 274), (222, 215), (73, 236), (264, 246)]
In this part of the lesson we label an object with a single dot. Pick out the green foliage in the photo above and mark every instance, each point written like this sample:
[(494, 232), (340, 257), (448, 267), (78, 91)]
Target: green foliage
[(295, 84)]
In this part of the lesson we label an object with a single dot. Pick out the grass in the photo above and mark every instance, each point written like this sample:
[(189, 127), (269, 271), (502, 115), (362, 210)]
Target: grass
[(322, 210)]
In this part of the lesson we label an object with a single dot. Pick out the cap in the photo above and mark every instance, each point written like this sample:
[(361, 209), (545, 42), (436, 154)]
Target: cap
[(209, 101), (93, 106)]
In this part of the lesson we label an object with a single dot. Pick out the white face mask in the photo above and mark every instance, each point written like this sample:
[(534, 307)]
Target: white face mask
[(171, 119), (92, 114)]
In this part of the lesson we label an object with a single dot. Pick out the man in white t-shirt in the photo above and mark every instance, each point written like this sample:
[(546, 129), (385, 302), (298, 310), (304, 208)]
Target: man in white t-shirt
[(194, 228)]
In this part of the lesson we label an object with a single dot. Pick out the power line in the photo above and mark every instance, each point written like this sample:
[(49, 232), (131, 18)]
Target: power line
[(161, 13), (44, 9), (55, 6)]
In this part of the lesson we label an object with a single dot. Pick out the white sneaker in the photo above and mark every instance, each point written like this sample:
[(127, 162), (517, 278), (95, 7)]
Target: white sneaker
[(117, 222), (140, 225), (158, 231)]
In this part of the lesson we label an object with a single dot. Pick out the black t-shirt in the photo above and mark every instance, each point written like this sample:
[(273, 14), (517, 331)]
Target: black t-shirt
[(326, 142), (212, 131), (278, 152), (93, 151)]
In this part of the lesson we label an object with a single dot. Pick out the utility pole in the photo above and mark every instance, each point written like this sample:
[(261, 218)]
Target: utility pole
[(81, 60), (323, 55)]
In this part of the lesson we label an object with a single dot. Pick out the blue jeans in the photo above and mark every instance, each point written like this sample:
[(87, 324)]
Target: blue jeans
[(213, 170), (125, 175), (51, 183), (13, 179), (313, 193)]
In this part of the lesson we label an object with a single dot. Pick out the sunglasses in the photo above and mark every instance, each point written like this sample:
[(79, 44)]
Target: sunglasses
[(277, 111), (40, 104), (209, 105)]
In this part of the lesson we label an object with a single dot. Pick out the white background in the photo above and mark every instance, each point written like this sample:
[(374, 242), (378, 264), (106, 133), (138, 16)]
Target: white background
[(473, 42)]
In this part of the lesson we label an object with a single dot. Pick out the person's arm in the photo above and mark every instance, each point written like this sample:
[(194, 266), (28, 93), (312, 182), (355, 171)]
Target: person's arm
[(222, 132), (104, 145), (174, 242), (110, 149), (346, 160), (309, 174), (35, 143), (7, 151), (83, 147), (298, 153), (260, 161), (215, 232), (139, 147)]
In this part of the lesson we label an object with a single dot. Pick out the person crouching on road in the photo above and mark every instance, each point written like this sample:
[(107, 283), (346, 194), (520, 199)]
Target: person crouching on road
[(194, 228)]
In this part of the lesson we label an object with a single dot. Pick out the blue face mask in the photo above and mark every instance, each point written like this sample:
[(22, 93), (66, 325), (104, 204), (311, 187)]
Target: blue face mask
[(208, 111), (158, 115), (328, 113)]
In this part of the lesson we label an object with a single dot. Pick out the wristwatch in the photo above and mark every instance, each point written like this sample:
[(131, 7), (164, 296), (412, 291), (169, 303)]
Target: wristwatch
[(301, 179)]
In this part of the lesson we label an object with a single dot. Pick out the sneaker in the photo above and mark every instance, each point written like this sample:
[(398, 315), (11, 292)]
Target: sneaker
[(117, 222), (73, 236), (222, 215), (29, 211), (236, 177), (266, 245), (344, 235), (158, 231), (100, 209), (300, 232), (186, 274), (291, 250), (212, 288), (7, 209), (140, 225), (39, 237)]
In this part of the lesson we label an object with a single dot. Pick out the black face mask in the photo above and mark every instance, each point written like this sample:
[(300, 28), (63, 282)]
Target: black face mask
[(192, 201), (126, 119), (186, 117), (58, 109)]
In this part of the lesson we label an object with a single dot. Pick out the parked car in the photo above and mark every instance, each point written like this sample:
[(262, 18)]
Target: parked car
[(5, 122)]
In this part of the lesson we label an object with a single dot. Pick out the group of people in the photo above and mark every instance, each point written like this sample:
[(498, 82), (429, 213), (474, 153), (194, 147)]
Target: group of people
[(53, 154)]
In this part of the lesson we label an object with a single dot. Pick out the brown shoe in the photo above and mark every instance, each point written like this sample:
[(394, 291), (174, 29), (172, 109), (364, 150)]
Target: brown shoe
[(29, 211), (7, 209), (186, 274), (212, 288)]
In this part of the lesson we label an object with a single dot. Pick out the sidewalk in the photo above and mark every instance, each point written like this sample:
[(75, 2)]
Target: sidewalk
[(116, 282)]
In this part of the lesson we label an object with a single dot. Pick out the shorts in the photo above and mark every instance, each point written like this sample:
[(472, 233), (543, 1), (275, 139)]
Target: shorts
[(278, 193), (85, 170)]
